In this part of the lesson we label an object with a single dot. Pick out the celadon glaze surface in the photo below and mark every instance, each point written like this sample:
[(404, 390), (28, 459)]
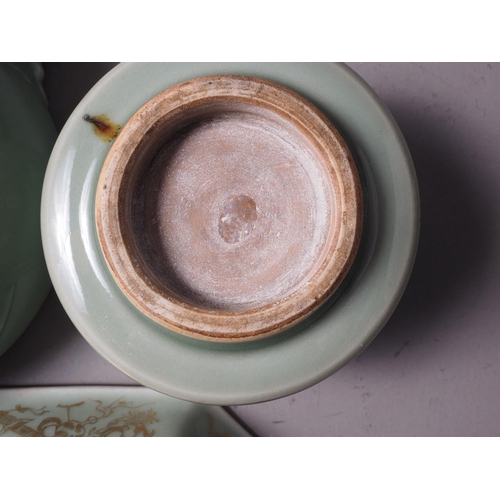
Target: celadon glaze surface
[(219, 373), (27, 135)]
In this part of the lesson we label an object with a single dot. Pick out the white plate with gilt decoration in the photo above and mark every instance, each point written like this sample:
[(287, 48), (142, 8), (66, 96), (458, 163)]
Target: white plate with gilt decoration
[(109, 412)]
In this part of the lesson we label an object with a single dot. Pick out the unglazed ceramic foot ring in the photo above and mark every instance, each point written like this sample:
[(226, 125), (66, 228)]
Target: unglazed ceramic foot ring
[(229, 208)]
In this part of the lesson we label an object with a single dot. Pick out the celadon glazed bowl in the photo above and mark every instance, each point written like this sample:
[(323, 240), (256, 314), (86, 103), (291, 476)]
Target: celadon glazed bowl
[(27, 135), (193, 368)]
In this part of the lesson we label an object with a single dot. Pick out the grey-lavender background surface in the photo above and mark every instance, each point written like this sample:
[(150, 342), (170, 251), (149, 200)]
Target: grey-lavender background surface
[(433, 370)]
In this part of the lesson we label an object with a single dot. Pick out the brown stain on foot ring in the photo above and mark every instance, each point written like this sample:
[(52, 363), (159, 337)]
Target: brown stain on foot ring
[(103, 127)]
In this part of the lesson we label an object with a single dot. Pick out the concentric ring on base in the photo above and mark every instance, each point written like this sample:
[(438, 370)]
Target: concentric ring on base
[(229, 208)]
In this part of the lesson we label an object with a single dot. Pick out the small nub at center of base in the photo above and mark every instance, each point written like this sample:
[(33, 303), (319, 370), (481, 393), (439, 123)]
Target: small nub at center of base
[(237, 219)]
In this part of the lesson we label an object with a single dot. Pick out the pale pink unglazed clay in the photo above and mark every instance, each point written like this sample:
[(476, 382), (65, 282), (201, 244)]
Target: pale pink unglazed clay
[(229, 208)]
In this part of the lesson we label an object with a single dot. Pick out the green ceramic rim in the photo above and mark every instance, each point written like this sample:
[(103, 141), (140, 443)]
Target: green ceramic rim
[(252, 372), (27, 135)]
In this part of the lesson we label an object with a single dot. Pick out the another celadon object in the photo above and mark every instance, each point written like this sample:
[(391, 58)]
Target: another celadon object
[(109, 412), (231, 373), (27, 135)]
